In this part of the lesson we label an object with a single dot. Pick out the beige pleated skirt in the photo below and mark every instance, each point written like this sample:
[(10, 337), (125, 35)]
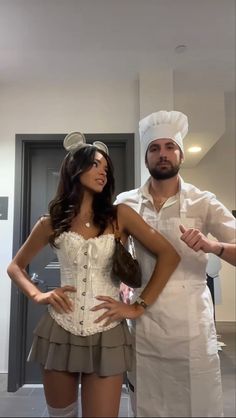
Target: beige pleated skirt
[(105, 353)]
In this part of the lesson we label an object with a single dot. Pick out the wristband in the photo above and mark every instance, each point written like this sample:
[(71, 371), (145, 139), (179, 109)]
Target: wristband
[(141, 302)]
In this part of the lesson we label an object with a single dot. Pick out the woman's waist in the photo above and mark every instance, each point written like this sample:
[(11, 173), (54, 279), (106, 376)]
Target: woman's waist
[(85, 273), (86, 288), (87, 296), (82, 320)]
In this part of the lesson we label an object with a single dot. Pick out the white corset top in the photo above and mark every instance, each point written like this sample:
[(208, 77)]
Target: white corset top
[(85, 264)]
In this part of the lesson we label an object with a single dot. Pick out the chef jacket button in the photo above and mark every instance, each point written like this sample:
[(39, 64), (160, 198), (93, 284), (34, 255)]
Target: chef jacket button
[(85, 253), (81, 322), (83, 293), (82, 332), (85, 266), (84, 279), (82, 307)]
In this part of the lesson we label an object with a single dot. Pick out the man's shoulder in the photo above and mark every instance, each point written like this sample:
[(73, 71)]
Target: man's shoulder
[(194, 192), (128, 197)]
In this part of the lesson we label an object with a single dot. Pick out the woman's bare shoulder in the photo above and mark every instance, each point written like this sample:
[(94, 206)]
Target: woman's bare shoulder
[(127, 216), (45, 223), (124, 210)]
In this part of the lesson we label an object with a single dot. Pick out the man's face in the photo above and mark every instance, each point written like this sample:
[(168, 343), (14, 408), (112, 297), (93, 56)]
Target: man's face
[(163, 159)]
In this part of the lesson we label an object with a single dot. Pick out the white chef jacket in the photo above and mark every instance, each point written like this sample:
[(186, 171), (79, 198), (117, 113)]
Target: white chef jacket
[(176, 369)]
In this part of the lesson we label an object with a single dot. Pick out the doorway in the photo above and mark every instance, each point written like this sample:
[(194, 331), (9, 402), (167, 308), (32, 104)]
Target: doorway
[(38, 159)]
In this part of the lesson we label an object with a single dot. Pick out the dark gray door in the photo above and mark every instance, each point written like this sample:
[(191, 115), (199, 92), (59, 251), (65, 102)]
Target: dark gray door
[(39, 166), (44, 269)]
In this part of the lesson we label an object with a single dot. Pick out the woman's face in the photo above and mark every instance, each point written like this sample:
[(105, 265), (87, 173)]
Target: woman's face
[(95, 178)]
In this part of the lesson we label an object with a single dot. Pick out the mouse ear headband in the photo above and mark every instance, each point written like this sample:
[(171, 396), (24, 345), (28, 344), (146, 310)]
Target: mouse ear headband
[(76, 140)]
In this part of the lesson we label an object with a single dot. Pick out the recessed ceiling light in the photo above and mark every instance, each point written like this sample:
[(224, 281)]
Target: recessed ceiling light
[(194, 149), (180, 48)]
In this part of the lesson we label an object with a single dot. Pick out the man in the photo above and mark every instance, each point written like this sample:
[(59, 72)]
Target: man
[(176, 368)]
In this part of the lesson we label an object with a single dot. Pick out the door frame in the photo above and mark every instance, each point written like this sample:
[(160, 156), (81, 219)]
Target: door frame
[(24, 143)]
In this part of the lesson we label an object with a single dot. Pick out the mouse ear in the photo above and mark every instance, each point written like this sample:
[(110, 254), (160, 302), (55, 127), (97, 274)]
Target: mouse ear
[(74, 141), (100, 145)]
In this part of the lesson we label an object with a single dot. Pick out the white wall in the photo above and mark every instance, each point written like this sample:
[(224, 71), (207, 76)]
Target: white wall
[(93, 105)]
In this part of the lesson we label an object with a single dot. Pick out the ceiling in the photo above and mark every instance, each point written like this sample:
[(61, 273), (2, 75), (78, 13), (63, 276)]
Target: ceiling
[(55, 40)]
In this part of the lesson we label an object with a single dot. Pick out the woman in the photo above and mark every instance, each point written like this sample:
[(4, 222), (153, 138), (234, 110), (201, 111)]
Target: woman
[(72, 341)]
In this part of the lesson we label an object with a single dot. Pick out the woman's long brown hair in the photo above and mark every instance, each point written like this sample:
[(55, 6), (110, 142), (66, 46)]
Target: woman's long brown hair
[(67, 201)]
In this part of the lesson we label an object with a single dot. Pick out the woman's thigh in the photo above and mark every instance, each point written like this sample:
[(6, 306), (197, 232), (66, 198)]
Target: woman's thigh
[(61, 388), (101, 395)]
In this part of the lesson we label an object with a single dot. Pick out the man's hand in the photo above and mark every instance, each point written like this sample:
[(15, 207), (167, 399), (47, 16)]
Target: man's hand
[(196, 240)]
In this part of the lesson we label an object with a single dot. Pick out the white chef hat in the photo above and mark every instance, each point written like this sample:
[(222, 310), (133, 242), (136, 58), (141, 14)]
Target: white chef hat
[(164, 124)]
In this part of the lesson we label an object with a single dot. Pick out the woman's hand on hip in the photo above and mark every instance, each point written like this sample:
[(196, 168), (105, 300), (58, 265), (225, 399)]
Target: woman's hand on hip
[(57, 298), (116, 310)]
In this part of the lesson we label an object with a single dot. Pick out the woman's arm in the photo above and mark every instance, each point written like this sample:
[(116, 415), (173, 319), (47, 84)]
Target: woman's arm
[(38, 238), (167, 259)]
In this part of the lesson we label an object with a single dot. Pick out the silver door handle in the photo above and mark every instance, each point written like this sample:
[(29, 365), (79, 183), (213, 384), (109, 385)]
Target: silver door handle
[(34, 279)]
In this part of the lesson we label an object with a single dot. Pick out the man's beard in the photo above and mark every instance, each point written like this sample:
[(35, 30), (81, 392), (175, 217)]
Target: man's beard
[(159, 174)]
